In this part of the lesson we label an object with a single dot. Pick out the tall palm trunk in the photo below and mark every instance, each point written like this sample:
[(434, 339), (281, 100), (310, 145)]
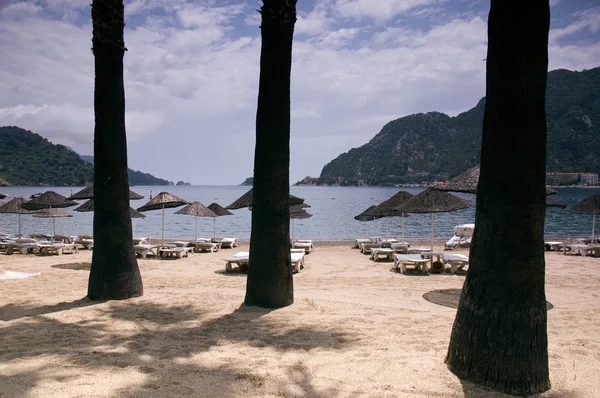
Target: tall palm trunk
[(499, 338), (114, 273), (270, 282)]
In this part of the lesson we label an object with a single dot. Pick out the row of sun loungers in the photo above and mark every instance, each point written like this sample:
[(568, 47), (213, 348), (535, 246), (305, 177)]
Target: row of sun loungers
[(241, 260), (40, 244)]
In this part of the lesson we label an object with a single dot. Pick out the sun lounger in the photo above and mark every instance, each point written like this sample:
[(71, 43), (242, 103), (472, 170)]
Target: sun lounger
[(141, 241), (58, 248), (401, 247), (144, 250), (241, 259), (174, 252), (456, 261), (23, 246), (366, 247), (381, 252), (554, 246), (305, 244), (584, 249), (418, 250), (206, 246), (415, 260), (358, 241), (85, 241), (229, 243)]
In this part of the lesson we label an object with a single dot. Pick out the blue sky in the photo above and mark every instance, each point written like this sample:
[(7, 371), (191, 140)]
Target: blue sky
[(191, 74)]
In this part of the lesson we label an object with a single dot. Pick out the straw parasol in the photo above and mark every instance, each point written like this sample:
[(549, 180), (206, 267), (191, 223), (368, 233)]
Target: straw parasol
[(389, 208), (162, 201), (367, 215), (88, 193), (588, 205), (298, 212), (467, 183), (48, 199), (219, 211), (13, 206), (246, 201), (554, 203), (2, 196), (52, 213), (433, 201), (196, 209), (89, 206)]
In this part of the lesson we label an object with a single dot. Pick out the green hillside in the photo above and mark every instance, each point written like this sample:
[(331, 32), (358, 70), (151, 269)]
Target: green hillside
[(433, 146), (27, 158)]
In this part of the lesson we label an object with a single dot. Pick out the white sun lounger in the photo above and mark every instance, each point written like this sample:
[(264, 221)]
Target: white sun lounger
[(456, 261), (241, 259), (23, 246), (415, 260), (206, 246), (229, 243), (306, 244), (58, 248), (144, 250)]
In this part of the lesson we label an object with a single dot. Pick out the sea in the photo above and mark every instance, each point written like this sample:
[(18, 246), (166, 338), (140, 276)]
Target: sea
[(333, 210)]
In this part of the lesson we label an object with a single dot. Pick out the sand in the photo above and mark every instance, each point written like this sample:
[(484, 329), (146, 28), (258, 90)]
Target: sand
[(356, 329)]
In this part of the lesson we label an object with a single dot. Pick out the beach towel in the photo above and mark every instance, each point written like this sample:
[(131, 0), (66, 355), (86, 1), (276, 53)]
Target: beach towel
[(4, 274)]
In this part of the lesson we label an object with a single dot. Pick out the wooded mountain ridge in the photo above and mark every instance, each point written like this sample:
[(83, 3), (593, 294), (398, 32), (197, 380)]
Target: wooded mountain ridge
[(427, 147), (29, 159)]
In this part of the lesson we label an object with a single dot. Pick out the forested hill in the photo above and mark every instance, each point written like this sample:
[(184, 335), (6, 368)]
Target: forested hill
[(434, 146), (27, 158), (136, 177)]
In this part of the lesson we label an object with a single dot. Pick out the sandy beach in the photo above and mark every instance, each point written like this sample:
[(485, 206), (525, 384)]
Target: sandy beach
[(356, 329)]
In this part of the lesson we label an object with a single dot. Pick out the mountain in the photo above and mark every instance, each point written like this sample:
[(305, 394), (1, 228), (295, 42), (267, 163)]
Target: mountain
[(136, 177), (425, 147), (27, 158), (247, 182)]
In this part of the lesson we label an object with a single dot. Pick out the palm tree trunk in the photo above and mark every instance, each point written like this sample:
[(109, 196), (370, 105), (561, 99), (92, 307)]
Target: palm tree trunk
[(499, 338), (114, 273), (270, 282)]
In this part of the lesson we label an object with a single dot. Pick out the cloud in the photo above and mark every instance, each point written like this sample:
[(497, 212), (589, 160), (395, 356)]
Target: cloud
[(191, 76)]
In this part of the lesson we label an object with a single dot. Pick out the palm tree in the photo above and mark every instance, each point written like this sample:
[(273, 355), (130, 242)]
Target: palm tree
[(499, 338), (114, 273), (270, 282)]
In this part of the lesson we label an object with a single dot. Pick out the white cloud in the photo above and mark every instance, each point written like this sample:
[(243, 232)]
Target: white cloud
[(191, 78), (586, 20)]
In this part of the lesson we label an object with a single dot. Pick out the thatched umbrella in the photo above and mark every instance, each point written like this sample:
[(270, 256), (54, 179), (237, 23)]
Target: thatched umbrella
[(13, 206), (163, 200), (89, 206), (554, 203), (368, 215), (88, 193), (52, 213), (433, 201), (219, 211), (196, 209), (298, 212), (47, 200), (589, 205), (389, 208), (246, 201), (467, 183), (2, 196)]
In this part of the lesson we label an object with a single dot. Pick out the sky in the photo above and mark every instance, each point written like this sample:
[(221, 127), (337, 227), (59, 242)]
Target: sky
[(192, 68)]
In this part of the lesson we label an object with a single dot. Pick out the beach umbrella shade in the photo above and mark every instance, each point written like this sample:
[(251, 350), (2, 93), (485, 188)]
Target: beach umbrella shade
[(588, 205), (467, 183), (246, 201), (368, 215), (89, 206), (219, 211), (52, 213), (196, 209), (13, 206), (2, 196), (389, 208), (88, 193), (433, 201), (162, 201), (298, 212), (47, 200)]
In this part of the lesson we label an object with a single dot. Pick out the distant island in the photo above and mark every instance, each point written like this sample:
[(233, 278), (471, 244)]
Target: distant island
[(428, 147), (28, 159), (247, 182)]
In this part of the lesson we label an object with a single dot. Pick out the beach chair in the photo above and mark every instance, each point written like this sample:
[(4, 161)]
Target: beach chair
[(200, 246), (144, 250), (141, 241), (306, 244), (357, 242), (457, 262), (174, 252), (85, 241), (22, 245), (401, 261), (366, 247), (57, 248), (241, 259), (228, 243), (378, 253)]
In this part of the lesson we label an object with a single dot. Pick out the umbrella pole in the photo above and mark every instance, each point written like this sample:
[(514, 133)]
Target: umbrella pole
[(19, 225), (53, 229), (292, 229), (162, 241), (432, 221), (593, 227), (214, 227), (402, 227), (387, 226), (196, 224)]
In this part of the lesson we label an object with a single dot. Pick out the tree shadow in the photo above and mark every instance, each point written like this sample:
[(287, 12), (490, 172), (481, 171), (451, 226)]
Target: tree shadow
[(11, 312), (472, 390), (167, 345)]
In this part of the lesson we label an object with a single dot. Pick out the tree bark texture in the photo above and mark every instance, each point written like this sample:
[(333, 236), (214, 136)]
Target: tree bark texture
[(270, 283), (499, 338), (114, 273)]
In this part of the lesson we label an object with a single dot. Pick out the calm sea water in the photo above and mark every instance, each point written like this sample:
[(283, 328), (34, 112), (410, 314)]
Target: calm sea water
[(333, 209)]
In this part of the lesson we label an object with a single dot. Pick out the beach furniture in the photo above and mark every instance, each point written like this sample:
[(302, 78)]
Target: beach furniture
[(229, 243), (583, 249), (378, 253), (85, 241), (174, 252), (241, 259), (306, 244), (554, 245), (418, 249), (400, 247), (401, 261), (141, 241), (357, 242), (201, 246), (57, 248), (463, 234), (22, 245), (456, 261), (366, 247), (144, 250)]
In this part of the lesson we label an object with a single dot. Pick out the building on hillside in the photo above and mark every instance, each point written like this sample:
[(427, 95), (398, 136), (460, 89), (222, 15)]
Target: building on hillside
[(571, 179)]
